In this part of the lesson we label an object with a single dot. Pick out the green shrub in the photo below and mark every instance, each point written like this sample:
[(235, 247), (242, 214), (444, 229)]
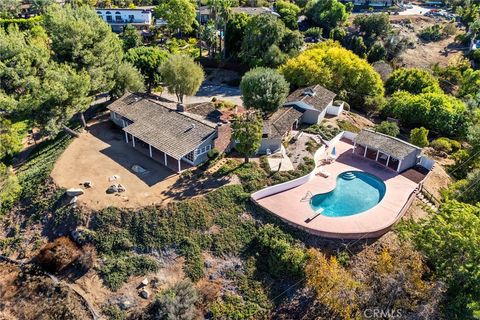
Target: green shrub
[(326, 131), (9, 188), (419, 137), (116, 269), (193, 267), (22, 23), (177, 302), (279, 253), (234, 307), (314, 32), (432, 33), (445, 145), (387, 127)]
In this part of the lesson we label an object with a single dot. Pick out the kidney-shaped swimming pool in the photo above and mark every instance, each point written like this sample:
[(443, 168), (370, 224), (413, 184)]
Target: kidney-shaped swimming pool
[(355, 192)]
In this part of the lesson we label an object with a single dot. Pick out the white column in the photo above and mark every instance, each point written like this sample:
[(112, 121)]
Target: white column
[(399, 164), (123, 122), (126, 137), (354, 145), (376, 159), (179, 168), (365, 153), (165, 158), (150, 149), (133, 140), (388, 160)]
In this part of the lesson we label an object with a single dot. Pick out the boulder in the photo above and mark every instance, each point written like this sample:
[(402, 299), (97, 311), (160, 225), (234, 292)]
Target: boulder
[(121, 188), (144, 293), (125, 302), (112, 189), (145, 281), (87, 184), (72, 192)]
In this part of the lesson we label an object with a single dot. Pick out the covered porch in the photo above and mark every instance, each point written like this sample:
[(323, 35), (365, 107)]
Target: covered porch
[(174, 164), (378, 155)]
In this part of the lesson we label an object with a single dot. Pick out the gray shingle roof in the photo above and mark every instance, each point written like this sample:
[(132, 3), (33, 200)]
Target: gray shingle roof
[(319, 97), (394, 147), (281, 122), (163, 127)]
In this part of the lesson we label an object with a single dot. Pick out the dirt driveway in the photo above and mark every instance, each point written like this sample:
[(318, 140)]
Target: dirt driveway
[(102, 153)]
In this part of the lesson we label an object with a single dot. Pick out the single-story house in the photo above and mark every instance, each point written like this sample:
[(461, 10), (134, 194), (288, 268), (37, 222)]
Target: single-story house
[(167, 132), (307, 105), (392, 152)]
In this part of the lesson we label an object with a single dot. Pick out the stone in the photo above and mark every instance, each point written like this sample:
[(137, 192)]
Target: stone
[(125, 302), (73, 200), (121, 188), (207, 264), (144, 293), (72, 192), (112, 189), (145, 281), (87, 184), (113, 178)]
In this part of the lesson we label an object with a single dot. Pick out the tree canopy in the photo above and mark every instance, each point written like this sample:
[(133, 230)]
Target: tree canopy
[(130, 37), (179, 14), (412, 80), (450, 241), (182, 75), (288, 12), (419, 137), (264, 89), (266, 41), (234, 33), (327, 14), (247, 134), (389, 128), (335, 68), (373, 25), (80, 38), (148, 60), (438, 112)]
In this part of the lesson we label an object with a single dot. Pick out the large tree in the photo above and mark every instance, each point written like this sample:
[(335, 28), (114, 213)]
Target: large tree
[(130, 37), (148, 60), (82, 39), (247, 134), (264, 89), (450, 241), (373, 25), (179, 14), (182, 76), (265, 42), (327, 14), (437, 112), (337, 69), (288, 12), (412, 80), (234, 33), (127, 79)]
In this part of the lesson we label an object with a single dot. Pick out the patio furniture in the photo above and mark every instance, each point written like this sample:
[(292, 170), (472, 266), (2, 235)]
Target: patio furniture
[(322, 172), (316, 214)]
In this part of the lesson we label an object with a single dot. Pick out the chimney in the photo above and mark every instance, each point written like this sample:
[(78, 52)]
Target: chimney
[(181, 107)]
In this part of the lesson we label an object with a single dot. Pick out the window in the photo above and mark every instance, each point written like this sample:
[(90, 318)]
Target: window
[(190, 156), (131, 17), (203, 150)]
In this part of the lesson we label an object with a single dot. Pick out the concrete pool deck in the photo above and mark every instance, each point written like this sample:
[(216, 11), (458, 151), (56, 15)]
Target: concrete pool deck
[(291, 206)]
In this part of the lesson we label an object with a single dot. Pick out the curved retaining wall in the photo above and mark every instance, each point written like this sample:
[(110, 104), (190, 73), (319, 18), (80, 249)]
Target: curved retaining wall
[(268, 191)]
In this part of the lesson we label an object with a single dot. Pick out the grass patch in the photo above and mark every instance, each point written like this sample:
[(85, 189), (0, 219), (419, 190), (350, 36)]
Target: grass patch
[(348, 126)]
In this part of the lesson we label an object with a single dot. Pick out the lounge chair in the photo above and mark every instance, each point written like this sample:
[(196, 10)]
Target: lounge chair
[(317, 212), (322, 172)]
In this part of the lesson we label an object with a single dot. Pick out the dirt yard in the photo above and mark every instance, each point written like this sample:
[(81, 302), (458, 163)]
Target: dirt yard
[(425, 54), (101, 153)]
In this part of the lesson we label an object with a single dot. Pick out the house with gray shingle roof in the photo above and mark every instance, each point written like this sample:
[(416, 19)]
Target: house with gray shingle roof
[(306, 105), (392, 152), (165, 131), (315, 102)]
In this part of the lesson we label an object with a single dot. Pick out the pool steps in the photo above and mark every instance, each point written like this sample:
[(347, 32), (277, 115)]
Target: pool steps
[(348, 176)]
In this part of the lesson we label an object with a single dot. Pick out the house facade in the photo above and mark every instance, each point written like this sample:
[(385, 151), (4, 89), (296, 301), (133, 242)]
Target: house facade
[(391, 152), (306, 105), (166, 132), (118, 18)]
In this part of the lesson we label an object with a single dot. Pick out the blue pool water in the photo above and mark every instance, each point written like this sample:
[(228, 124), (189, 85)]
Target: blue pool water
[(355, 192)]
